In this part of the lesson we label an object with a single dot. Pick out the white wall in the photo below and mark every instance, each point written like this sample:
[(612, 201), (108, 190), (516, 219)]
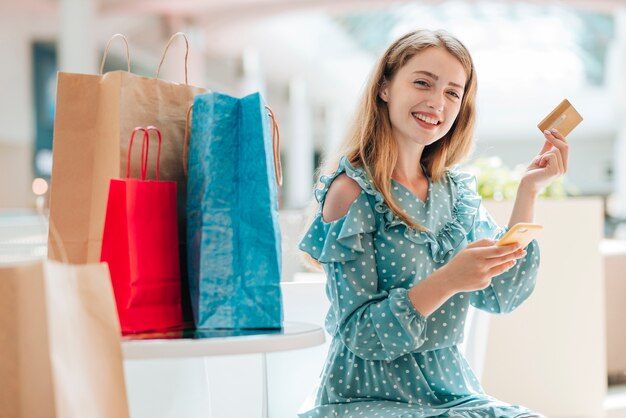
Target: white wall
[(550, 353), (18, 31)]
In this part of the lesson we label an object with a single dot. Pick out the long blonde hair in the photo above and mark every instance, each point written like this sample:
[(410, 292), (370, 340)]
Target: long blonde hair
[(369, 143)]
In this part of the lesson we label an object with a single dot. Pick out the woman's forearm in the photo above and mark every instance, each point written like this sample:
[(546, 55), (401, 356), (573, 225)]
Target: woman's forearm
[(431, 293), (524, 208)]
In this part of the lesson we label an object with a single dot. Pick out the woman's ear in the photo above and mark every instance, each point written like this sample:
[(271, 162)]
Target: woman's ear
[(383, 92)]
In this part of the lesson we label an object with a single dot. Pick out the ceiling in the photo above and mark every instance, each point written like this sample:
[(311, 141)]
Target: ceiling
[(309, 39)]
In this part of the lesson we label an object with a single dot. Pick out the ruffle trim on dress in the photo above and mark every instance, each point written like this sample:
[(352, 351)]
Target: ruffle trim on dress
[(339, 240), (347, 230)]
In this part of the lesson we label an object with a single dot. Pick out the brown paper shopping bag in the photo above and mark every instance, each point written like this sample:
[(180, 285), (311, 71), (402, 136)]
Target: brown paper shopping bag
[(60, 352), (95, 115)]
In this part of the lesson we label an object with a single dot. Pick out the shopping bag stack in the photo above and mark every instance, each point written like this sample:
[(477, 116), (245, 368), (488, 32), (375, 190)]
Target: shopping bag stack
[(94, 118), (150, 221)]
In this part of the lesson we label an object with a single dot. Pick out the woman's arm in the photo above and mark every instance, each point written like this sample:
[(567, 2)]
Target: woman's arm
[(550, 163), (524, 207), (471, 269), (375, 324)]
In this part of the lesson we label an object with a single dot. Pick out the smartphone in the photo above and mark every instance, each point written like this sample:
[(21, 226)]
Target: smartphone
[(521, 233)]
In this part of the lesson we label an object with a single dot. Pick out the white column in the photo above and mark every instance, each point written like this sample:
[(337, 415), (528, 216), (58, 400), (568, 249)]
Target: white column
[(77, 52), (336, 125), (252, 79), (615, 83), (300, 149)]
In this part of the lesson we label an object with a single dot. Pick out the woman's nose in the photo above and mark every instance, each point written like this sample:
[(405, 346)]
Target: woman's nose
[(435, 102)]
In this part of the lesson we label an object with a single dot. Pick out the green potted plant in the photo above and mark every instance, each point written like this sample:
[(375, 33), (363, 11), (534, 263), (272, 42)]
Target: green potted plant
[(497, 181)]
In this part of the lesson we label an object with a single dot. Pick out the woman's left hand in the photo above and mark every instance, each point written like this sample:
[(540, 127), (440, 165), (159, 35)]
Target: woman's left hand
[(550, 163)]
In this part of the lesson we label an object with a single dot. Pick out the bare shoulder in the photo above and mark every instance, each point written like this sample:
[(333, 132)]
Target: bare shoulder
[(341, 194)]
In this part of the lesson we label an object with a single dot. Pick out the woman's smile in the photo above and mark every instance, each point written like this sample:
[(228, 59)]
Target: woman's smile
[(426, 120)]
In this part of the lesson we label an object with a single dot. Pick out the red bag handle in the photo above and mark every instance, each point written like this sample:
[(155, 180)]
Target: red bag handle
[(144, 151)]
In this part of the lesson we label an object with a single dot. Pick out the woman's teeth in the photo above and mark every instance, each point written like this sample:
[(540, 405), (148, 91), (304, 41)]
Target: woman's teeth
[(426, 119)]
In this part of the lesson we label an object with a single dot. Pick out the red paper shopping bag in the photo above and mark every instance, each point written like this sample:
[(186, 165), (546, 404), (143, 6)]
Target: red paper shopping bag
[(140, 244)]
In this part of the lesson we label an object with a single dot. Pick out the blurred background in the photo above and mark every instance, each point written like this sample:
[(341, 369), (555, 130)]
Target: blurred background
[(311, 59)]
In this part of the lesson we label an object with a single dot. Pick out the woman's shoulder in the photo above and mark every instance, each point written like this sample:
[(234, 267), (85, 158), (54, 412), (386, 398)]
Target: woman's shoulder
[(345, 215), (342, 193), (345, 179)]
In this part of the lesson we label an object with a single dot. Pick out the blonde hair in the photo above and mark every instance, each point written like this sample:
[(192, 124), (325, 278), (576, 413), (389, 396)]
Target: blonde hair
[(369, 143)]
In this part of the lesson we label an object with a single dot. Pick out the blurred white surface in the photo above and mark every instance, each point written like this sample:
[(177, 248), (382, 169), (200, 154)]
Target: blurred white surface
[(23, 236)]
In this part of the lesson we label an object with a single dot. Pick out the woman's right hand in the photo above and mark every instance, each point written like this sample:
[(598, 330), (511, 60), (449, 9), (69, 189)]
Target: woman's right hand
[(474, 266)]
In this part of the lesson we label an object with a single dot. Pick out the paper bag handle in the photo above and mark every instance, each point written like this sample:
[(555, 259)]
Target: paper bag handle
[(167, 46), (144, 151), (186, 141), (278, 167), (56, 237), (106, 51)]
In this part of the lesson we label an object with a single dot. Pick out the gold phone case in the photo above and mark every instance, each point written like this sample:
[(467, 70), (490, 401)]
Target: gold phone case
[(564, 118), (522, 233)]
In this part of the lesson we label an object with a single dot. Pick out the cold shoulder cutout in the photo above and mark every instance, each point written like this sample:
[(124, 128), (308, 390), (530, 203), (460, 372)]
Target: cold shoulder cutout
[(341, 195)]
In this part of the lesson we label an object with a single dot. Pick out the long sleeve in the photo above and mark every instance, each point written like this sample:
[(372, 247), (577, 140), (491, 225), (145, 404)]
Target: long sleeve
[(373, 323), (510, 289)]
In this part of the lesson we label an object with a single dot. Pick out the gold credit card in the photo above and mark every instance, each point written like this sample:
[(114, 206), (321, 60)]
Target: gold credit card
[(564, 118)]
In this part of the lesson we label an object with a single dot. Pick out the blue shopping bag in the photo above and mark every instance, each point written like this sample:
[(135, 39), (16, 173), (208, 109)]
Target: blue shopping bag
[(234, 249)]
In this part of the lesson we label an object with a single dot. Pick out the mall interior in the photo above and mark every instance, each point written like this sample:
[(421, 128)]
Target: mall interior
[(562, 353)]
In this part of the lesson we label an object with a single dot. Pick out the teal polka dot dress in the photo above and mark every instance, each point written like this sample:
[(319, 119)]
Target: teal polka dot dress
[(385, 358)]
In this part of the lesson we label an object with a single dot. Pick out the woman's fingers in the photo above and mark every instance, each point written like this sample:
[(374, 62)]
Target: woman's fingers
[(507, 257), (497, 251), (506, 262), (501, 268), (493, 260), (554, 159), (558, 141), (557, 134)]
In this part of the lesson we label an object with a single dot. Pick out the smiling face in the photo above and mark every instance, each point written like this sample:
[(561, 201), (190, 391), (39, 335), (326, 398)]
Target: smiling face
[(424, 96)]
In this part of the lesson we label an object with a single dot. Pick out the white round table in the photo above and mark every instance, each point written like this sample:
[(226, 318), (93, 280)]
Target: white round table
[(208, 344), (200, 343)]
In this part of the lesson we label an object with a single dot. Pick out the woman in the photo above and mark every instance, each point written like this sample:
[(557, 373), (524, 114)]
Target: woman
[(407, 246)]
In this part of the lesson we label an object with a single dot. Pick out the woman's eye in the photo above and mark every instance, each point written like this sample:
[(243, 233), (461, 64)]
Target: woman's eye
[(421, 83), (454, 94)]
